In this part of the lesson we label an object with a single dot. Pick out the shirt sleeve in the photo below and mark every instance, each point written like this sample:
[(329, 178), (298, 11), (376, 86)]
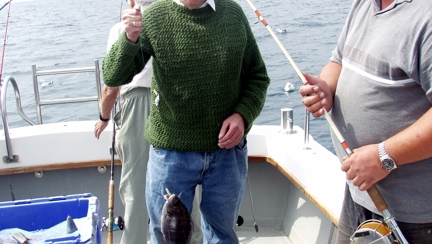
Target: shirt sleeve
[(114, 34), (122, 62), (255, 81)]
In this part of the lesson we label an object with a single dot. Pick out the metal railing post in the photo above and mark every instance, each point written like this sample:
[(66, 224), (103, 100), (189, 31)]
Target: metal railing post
[(306, 131), (40, 103)]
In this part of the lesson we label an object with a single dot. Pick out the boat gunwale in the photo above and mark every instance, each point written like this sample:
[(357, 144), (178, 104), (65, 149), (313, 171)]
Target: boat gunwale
[(252, 159), (59, 166)]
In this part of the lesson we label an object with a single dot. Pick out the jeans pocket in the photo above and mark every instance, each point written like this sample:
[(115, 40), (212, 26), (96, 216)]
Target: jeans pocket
[(157, 153), (242, 144), (157, 149)]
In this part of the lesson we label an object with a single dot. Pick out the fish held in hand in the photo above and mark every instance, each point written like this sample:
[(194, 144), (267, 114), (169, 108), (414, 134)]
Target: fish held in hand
[(176, 223)]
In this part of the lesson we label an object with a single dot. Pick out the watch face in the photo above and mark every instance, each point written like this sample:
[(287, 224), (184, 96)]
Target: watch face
[(388, 164)]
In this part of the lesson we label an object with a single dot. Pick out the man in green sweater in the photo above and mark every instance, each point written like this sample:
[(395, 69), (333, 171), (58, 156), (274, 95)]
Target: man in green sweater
[(209, 84)]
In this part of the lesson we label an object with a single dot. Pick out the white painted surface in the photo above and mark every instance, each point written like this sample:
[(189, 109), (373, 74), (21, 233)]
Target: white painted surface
[(316, 169), (64, 142)]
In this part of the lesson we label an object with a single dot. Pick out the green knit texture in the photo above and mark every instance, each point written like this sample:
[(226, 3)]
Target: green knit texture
[(206, 66)]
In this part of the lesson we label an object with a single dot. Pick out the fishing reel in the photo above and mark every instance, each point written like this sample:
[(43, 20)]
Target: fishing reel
[(373, 231), (118, 223)]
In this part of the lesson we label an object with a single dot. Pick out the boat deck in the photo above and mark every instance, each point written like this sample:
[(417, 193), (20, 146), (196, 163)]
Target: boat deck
[(266, 235), (246, 235)]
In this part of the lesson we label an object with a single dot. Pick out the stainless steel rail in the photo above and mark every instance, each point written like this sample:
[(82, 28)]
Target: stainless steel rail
[(14, 158), (40, 103), (306, 131), (10, 157)]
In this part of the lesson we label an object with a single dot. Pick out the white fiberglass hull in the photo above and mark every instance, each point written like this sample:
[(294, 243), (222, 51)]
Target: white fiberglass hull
[(296, 193)]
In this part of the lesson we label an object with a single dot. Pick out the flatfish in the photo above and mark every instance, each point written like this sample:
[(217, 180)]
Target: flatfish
[(176, 223)]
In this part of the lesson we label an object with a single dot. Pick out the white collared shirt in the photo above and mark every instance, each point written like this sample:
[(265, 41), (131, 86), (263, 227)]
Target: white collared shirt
[(209, 2)]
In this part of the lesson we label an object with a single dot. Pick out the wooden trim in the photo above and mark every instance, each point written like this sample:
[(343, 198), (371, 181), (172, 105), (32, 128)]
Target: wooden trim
[(252, 159), (48, 167)]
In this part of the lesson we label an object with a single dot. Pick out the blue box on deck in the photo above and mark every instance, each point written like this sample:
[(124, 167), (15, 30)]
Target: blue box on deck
[(44, 213)]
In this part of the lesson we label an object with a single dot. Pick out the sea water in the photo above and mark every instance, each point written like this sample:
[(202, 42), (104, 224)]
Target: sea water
[(69, 34)]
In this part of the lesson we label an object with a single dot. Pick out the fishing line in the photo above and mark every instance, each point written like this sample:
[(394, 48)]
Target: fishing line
[(1, 73), (4, 40), (373, 192), (121, 8), (141, 4), (5, 5), (253, 211)]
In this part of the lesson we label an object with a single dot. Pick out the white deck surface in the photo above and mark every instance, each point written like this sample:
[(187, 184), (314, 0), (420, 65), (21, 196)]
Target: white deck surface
[(245, 234), (266, 236)]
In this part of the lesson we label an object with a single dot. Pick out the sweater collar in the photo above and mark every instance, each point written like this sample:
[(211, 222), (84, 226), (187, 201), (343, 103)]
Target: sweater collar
[(209, 2)]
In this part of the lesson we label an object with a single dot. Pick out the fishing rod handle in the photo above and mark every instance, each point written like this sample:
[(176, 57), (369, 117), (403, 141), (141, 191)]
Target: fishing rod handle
[(110, 238), (110, 212), (373, 192), (377, 198)]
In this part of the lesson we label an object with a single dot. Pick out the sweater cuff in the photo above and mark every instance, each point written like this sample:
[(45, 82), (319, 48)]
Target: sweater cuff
[(129, 48), (247, 116)]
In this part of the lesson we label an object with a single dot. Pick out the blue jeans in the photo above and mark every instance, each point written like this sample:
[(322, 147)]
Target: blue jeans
[(222, 175)]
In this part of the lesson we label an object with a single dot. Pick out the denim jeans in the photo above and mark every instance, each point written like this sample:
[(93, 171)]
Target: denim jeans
[(352, 215), (222, 175)]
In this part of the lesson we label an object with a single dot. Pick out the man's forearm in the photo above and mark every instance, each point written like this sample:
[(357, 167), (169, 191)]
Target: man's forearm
[(414, 143), (330, 74), (109, 96)]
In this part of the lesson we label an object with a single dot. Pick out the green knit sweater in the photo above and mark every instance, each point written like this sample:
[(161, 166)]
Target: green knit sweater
[(206, 66)]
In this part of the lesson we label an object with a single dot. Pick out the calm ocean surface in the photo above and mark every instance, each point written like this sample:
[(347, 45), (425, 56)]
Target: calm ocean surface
[(69, 34)]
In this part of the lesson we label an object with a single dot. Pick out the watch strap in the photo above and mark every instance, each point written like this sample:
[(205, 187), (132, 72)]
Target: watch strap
[(383, 155), (381, 150), (102, 119)]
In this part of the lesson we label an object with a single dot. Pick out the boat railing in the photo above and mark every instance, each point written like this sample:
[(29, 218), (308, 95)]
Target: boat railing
[(40, 103), (10, 158), (306, 130)]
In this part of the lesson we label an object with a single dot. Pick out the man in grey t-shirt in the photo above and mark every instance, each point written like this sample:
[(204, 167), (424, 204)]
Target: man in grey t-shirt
[(378, 85)]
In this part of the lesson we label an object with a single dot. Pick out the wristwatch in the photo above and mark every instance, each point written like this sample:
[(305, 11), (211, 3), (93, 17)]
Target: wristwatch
[(387, 162), (102, 119)]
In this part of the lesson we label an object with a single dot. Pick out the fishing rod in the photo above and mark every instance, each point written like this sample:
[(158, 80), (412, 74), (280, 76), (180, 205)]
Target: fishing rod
[(4, 40), (111, 220), (111, 192), (4, 5), (253, 211), (373, 191)]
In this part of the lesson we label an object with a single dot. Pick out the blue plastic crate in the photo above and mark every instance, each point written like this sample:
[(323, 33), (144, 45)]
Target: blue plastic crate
[(44, 213)]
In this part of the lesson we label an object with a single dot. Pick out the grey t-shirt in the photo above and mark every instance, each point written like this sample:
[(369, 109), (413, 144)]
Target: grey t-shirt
[(385, 86)]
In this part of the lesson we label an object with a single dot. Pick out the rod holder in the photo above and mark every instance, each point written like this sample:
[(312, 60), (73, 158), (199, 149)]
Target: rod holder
[(287, 121)]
